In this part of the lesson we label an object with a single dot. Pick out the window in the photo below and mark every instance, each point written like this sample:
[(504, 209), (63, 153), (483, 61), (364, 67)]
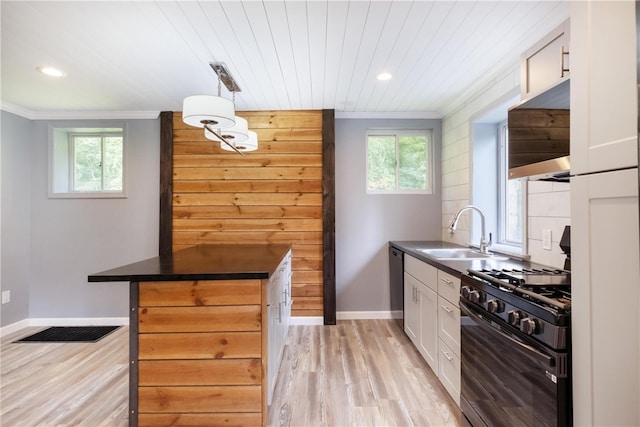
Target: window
[(87, 162), (503, 201), (510, 196), (399, 162)]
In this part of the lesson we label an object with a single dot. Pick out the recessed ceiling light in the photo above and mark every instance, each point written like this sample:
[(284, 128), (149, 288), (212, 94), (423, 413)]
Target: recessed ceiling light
[(51, 71), (384, 76)]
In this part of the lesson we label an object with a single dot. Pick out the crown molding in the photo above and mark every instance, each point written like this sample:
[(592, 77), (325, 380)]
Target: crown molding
[(78, 115), (387, 115)]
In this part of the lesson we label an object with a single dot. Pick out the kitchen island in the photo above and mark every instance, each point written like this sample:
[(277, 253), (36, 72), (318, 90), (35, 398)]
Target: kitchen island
[(207, 328)]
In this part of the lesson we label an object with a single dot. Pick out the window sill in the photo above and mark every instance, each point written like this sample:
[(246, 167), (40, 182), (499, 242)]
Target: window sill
[(510, 251), (105, 195)]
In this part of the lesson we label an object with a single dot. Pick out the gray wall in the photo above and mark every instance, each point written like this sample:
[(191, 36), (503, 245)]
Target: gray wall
[(49, 246), (366, 223), (15, 262), (72, 238)]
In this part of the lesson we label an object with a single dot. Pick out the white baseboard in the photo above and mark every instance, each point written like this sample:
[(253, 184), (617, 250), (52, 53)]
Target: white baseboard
[(348, 315), (79, 321), (14, 327), (64, 321), (354, 315), (307, 320)]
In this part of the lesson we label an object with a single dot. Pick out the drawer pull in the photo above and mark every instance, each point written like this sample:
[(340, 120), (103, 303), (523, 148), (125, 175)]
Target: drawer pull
[(447, 281), (447, 355), (447, 308)]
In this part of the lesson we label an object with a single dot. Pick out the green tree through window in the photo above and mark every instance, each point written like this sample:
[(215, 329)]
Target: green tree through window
[(399, 162), (97, 162)]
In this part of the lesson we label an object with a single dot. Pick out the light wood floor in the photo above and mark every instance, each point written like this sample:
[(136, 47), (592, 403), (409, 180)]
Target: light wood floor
[(65, 384), (359, 372)]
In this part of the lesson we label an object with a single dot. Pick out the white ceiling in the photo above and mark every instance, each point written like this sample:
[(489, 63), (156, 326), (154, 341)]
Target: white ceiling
[(146, 56)]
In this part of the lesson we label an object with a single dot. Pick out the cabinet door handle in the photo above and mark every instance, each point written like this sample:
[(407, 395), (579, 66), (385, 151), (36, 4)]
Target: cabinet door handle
[(447, 309), (447, 355), (447, 281), (563, 69)]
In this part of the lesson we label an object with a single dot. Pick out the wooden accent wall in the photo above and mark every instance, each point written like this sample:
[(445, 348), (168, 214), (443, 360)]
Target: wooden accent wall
[(272, 195)]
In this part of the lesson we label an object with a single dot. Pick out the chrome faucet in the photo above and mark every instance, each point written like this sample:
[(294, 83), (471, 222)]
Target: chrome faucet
[(484, 244)]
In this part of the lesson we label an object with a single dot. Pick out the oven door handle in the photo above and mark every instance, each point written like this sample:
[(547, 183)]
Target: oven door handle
[(527, 349)]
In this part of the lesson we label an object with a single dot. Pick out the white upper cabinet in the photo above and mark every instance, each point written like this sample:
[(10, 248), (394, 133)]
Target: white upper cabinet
[(604, 107), (545, 64)]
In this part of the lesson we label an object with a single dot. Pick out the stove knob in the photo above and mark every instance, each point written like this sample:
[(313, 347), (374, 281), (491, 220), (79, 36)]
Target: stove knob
[(513, 317), (475, 297), (464, 291), (528, 326), (495, 306)]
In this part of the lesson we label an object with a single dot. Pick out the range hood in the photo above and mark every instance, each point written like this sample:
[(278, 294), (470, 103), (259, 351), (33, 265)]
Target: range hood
[(539, 136), (556, 169)]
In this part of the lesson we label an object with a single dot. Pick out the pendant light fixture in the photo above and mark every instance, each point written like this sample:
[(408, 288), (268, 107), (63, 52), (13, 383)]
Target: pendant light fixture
[(251, 144), (201, 110), (236, 133), (217, 115)]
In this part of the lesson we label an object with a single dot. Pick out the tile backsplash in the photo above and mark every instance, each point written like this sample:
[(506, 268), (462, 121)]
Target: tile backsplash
[(549, 208)]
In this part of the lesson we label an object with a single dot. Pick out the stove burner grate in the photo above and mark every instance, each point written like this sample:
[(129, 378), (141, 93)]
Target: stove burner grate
[(543, 286)]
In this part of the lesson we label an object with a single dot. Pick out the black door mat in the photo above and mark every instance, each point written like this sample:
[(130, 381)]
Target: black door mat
[(70, 334)]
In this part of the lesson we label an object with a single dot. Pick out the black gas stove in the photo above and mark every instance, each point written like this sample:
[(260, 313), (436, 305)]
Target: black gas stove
[(515, 329), (515, 345), (535, 301)]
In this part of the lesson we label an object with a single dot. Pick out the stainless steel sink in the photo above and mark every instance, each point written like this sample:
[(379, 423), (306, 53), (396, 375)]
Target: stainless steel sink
[(450, 254)]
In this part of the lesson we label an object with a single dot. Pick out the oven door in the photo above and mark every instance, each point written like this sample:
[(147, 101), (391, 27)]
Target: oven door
[(508, 379)]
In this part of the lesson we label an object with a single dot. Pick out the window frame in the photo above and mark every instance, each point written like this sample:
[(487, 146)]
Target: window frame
[(62, 158), (397, 133), (502, 239)]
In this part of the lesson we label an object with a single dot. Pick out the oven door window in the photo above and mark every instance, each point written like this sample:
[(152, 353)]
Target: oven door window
[(506, 381)]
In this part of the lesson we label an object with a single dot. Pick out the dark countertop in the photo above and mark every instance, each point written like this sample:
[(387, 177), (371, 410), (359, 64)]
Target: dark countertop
[(458, 267), (203, 262)]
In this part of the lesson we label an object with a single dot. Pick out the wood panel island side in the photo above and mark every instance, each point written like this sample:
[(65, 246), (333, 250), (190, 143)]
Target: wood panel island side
[(207, 329)]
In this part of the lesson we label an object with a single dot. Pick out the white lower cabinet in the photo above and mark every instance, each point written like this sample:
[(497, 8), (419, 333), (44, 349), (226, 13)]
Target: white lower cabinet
[(411, 308), (449, 324), (279, 315), (449, 357), (432, 319), (449, 371), (421, 279), (420, 321), (428, 343)]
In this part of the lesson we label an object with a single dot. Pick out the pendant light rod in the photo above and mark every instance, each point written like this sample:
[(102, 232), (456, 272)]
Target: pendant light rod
[(225, 76), (221, 138)]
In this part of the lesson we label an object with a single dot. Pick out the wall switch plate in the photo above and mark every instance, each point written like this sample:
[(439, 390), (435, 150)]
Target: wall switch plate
[(546, 239), (6, 297)]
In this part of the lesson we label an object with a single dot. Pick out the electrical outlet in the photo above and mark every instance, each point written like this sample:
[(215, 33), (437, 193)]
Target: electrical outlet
[(546, 240), (6, 297)]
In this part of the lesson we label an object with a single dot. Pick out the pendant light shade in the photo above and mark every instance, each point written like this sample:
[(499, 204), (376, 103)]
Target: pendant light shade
[(250, 144), (215, 111), (235, 134), (218, 117)]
